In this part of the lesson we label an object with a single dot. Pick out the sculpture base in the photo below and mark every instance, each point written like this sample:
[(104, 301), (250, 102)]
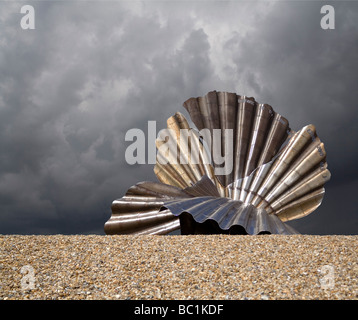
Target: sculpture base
[(189, 226)]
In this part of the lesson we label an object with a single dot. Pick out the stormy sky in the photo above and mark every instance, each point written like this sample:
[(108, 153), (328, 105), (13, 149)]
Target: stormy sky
[(91, 70)]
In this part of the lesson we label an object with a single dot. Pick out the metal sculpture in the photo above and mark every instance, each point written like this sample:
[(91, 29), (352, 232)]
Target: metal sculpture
[(276, 174)]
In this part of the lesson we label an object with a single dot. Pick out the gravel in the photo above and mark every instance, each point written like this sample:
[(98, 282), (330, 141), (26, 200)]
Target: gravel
[(178, 267)]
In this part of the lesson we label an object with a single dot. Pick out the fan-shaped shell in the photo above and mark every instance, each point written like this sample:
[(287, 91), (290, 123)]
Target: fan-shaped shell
[(277, 174)]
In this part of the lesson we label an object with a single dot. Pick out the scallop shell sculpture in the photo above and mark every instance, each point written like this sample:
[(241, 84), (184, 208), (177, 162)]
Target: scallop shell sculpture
[(242, 170)]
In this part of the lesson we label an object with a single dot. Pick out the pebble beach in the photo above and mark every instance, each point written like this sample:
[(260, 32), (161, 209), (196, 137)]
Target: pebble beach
[(264, 267)]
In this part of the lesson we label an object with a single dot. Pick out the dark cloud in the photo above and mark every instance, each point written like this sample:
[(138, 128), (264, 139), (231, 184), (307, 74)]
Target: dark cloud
[(71, 88)]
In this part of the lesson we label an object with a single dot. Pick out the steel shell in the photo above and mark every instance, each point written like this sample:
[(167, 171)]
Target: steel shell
[(277, 174), (138, 212)]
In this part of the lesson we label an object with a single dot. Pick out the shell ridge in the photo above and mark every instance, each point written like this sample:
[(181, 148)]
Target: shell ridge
[(225, 212), (194, 206)]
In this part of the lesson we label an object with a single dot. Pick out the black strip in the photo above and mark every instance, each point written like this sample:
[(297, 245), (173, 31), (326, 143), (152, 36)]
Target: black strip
[(178, 309)]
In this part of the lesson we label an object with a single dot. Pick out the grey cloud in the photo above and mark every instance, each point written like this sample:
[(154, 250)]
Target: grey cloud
[(70, 90), (67, 106)]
